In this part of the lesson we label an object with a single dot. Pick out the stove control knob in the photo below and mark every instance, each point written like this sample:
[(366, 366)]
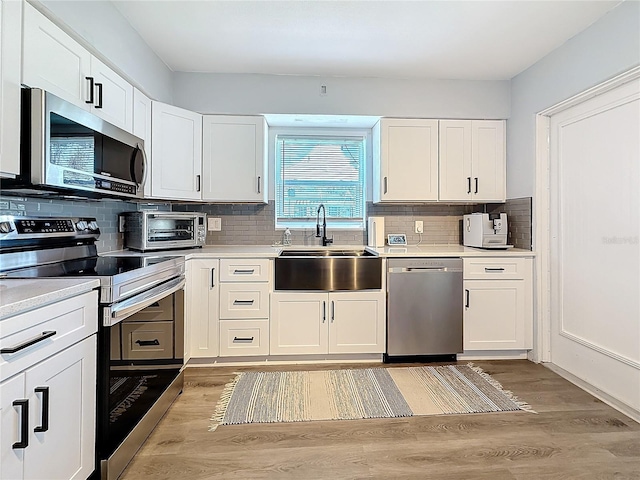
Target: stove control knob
[(93, 226), (5, 227), (81, 225)]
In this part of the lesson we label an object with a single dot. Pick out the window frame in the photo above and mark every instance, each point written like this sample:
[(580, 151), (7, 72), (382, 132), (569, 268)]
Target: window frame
[(334, 132)]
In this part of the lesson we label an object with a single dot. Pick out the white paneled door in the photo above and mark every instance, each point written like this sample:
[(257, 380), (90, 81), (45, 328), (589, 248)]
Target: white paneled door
[(594, 248)]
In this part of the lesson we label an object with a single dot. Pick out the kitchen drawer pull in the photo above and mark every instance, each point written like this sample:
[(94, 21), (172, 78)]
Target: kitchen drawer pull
[(258, 184), (498, 269), (386, 185), (44, 419), (28, 343), (198, 183), (476, 185), (466, 303), (243, 339), (243, 302), (90, 90), (213, 278), (148, 343), (99, 104), (243, 272), (24, 423), (324, 311), (333, 311), (468, 184)]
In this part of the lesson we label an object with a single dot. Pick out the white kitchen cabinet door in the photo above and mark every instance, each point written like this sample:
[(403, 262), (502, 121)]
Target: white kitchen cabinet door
[(113, 96), (472, 161), (60, 435), (495, 315), (202, 311), (356, 322), (10, 60), (455, 160), (176, 142), (234, 164), (489, 161), (405, 160), (12, 392), (299, 323), (52, 60), (142, 130)]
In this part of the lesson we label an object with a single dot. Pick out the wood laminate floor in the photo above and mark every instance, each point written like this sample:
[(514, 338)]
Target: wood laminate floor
[(573, 436)]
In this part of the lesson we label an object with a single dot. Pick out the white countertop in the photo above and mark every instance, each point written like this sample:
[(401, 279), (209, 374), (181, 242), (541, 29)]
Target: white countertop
[(268, 251), (20, 295)]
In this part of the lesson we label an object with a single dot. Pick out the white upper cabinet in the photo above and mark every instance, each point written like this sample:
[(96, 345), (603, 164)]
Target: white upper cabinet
[(234, 165), (113, 96), (176, 142), (10, 23), (472, 160), (55, 62), (405, 167), (142, 130)]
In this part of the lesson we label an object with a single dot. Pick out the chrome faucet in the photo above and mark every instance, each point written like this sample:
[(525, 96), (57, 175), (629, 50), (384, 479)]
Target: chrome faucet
[(325, 241)]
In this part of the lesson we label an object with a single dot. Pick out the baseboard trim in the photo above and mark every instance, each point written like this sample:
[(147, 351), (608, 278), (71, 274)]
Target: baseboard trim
[(284, 360), (596, 392)]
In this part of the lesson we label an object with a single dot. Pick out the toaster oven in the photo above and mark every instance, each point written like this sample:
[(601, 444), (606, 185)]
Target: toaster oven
[(153, 230)]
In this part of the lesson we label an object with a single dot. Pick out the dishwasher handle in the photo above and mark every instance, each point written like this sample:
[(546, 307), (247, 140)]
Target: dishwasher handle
[(423, 269)]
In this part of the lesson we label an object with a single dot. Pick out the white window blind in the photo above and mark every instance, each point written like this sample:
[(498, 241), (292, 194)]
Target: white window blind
[(314, 170)]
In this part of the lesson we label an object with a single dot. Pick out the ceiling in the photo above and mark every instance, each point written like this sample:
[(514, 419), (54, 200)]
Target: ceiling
[(469, 40)]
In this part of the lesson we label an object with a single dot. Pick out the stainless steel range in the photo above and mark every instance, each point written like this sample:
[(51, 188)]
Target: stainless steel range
[(140, 337)]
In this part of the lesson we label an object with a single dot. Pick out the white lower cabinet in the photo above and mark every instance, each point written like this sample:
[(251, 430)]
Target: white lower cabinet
[(321, 323), (244, 337), (498, 312), (203, 293), (47, 414)]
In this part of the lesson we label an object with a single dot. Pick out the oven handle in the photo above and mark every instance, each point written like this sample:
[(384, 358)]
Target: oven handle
[(114, 314)]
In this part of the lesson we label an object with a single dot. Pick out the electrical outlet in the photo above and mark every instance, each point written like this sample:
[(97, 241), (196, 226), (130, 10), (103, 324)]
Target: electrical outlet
[(214, 224), (419, 226)]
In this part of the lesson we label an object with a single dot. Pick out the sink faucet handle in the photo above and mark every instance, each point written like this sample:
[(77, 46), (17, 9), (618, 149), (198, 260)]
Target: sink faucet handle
[(328, 241)]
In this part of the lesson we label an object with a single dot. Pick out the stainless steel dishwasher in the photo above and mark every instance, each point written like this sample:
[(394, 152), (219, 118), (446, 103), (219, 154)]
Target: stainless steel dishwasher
[(424, 307)]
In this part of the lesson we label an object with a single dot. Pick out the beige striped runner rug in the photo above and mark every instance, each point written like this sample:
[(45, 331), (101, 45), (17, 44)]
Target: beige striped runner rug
[(265, 397)]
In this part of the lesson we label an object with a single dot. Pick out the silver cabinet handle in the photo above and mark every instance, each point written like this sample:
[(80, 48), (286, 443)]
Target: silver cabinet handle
[(213, 278), (324, 311), (333, 311), (243, 302)]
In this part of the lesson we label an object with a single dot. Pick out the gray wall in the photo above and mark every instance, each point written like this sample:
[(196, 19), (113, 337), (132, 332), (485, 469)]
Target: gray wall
[(607, 48), (289, 94), (102, 29)]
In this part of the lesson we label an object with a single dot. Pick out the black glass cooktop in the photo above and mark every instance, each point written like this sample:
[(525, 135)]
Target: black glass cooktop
[(87, 267)]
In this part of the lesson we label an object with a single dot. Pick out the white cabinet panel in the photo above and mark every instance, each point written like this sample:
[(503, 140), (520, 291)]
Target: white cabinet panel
[(10, 60), (52, 60), (245, 270), (177, 153), (244, 337), (234, 159), (405, 160), (298, 323), (455, 160), (113, 96), (12, 392), (202, 308), (240, 300), (489, 162), (357, 322)]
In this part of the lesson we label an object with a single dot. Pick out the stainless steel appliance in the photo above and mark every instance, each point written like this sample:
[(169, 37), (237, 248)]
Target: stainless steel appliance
[(141, 324), (485, 230), (424, 307), (70, 150), (153, 230)]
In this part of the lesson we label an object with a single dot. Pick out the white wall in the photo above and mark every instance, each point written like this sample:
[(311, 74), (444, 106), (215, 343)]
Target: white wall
[(262, 94), (107, 34), (608, 47)]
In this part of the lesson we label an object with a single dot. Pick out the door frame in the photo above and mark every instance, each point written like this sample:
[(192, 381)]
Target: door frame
[(541, 217)]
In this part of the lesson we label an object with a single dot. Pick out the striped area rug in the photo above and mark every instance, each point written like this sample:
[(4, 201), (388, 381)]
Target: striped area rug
[(264, 397)]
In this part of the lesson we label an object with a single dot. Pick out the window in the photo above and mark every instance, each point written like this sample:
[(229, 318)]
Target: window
[(320, 169)]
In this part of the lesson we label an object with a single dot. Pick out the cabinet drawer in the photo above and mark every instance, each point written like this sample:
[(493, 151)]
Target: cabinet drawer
[(162, 310), (148, 340), (244, 270), (244, 300), (58, 325), (245, 337), (495, 268)]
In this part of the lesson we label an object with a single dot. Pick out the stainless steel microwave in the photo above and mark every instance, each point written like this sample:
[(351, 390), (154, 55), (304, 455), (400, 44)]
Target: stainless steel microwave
[(153, 230), (67, 149)]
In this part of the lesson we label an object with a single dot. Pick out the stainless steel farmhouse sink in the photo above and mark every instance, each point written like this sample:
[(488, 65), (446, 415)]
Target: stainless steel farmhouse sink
[(328, 270)]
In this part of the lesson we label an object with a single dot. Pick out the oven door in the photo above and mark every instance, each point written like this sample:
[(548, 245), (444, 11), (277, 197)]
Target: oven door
[(140, 360), (171, 231)]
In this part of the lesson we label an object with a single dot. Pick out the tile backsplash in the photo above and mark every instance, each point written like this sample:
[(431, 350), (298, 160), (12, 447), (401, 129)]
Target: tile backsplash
[(519, 219)]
